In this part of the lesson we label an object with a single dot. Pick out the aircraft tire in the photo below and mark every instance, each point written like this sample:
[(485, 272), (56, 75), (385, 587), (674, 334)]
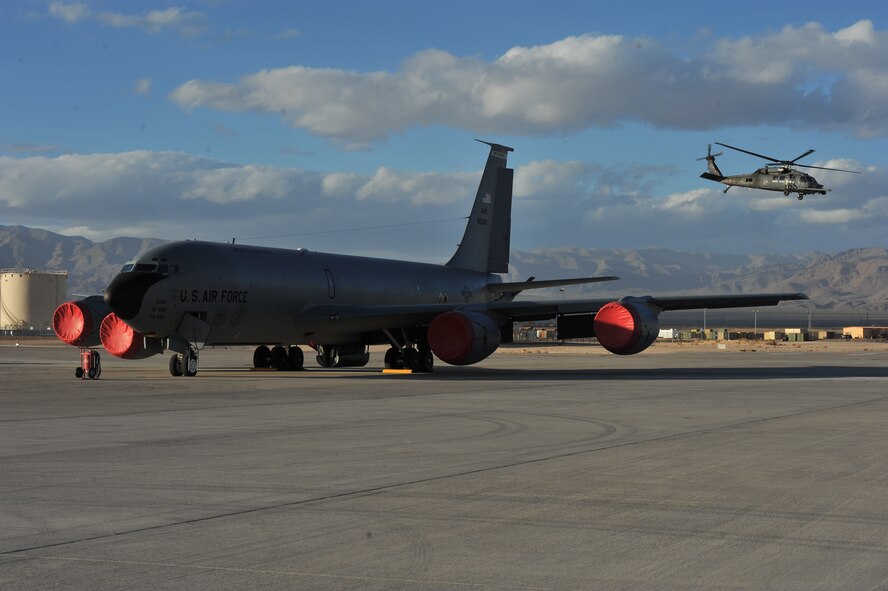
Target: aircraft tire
[(262, 357), (411, 358), (296, 358), (78, 373), (279, 358), (425, 361), (189, 364), (175, 365), (391, 360)]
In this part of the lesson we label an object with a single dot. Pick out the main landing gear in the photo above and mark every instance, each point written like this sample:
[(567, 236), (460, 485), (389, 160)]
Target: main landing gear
[(419, 360), (278, 357), (184, 364)]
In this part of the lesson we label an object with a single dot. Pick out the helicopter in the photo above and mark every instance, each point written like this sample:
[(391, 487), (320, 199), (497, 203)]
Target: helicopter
[(777, 175)]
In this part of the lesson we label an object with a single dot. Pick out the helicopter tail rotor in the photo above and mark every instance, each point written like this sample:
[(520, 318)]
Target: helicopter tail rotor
[(713, 174), (709, 153)]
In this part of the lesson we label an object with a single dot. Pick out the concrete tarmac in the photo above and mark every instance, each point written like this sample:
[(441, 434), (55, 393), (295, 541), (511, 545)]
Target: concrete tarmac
[(678, 468)]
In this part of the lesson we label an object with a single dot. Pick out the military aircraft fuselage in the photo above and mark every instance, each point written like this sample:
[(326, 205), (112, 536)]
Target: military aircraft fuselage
[(256, 295), (788, 181)]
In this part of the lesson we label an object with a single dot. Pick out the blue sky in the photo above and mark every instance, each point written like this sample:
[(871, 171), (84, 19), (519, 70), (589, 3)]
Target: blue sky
[(317, 123)]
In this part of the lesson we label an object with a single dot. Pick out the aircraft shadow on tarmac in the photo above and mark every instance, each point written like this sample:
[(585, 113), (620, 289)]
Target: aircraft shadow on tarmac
[(610, 374)]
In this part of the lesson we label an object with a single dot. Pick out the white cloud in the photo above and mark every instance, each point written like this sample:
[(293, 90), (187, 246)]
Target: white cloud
[(831, 216), (289, 34), (800, 76), (417, 188), (547, 175), (185, 22), (691, 203), (143, 86), (574, 203), (70, 12)]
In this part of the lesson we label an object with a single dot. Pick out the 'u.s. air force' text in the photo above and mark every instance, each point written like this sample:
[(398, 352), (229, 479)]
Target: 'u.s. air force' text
[(214, 296)]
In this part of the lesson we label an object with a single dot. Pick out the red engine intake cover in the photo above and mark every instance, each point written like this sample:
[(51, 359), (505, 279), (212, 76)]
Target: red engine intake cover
[(71, 323), (119, 339), (450, 337), (463, 338), (77, 322), (625, 329)]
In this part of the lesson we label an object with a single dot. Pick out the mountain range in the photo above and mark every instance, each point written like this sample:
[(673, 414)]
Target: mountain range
[(854, 279)]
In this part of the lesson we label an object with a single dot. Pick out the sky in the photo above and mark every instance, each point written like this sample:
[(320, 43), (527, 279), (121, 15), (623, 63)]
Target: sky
[(348, 126)]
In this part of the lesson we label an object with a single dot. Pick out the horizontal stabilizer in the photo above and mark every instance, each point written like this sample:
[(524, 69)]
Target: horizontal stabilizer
[(522, 285), (711, 177)]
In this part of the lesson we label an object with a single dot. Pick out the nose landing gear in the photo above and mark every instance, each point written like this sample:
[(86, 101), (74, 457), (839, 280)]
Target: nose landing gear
[(90, 365), (184, 364)]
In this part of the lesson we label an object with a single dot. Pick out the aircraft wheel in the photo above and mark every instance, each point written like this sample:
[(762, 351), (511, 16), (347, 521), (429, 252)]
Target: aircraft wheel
[(189, 364), (411, 358), (175, 365), (279, 358), (262, 357), (786, 193), (78, 373), (392, 360), (800, 197), (297, 359), (91, 373), (425, 361)]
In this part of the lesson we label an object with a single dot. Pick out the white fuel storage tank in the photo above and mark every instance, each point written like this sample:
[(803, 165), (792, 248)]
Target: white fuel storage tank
[(28, 298)]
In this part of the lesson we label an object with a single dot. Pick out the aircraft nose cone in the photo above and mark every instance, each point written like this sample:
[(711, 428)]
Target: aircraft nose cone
[(125, 293)]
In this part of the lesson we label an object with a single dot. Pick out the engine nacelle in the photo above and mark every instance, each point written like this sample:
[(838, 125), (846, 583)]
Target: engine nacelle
[(464, 338), (121, 340), (77, 322), (626, 328)]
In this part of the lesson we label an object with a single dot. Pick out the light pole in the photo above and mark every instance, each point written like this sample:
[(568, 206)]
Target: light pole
[(755, 320)]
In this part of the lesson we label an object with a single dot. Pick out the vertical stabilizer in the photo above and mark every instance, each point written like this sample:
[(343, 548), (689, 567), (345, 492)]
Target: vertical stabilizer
[(485, 244)]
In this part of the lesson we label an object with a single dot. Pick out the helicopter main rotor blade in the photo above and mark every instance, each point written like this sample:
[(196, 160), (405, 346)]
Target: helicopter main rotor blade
[(800, 157), (827, 168), (768, 158)]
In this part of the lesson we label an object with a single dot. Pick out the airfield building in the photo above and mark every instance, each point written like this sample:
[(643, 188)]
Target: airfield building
[(28, 298)]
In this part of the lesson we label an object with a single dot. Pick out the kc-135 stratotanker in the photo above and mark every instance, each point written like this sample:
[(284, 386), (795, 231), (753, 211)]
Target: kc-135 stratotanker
[(183, 296)]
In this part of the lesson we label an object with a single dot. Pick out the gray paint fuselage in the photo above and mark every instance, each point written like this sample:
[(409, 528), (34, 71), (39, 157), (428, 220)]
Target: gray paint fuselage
[(256, 295)]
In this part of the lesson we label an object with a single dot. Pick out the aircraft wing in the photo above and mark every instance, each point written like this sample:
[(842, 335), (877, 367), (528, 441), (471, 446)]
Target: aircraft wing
[(541, 310), (352, 320)]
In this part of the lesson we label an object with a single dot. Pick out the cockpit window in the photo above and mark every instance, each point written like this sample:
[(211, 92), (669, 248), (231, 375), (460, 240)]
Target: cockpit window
[(127, 268), (145, 267)]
